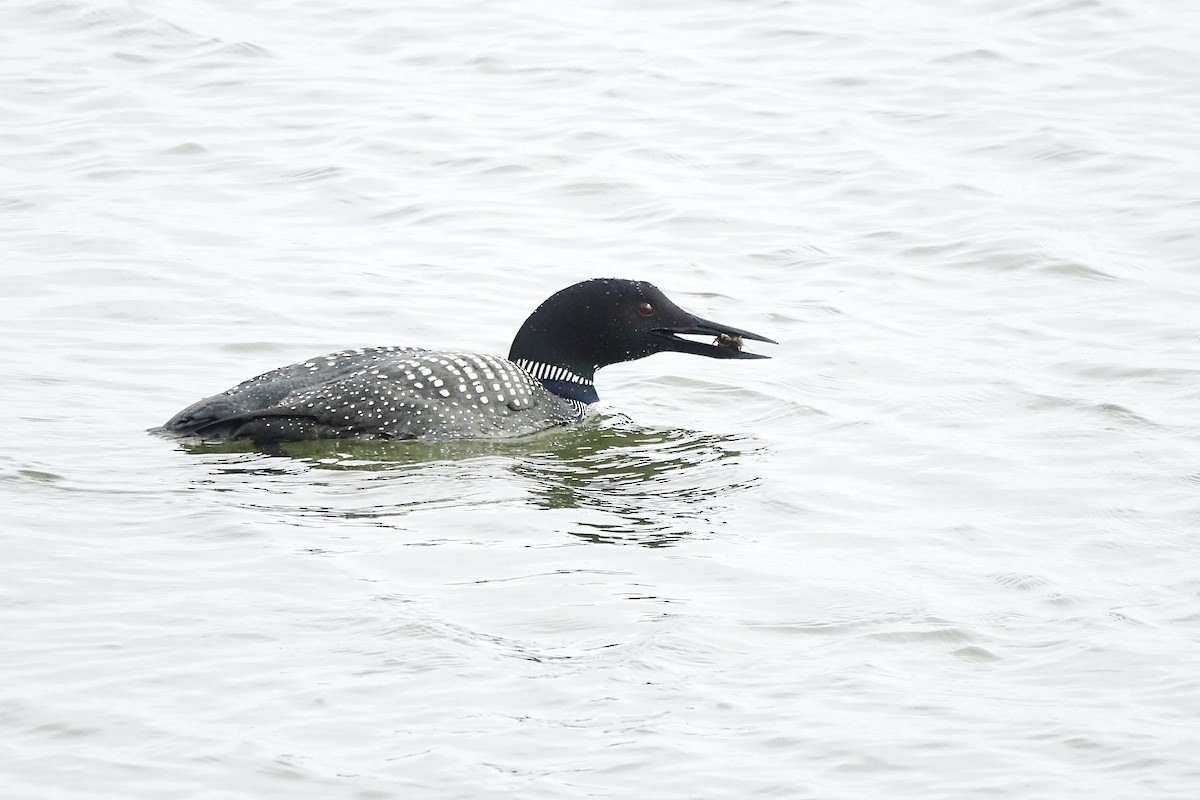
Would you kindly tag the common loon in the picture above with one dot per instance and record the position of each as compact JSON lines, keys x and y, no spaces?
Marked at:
{"x":411,"y":393}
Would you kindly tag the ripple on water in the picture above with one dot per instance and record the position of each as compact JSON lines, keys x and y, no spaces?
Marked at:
{"x":638,"y":485}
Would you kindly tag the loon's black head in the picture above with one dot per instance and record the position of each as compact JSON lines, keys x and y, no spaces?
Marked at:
{"x":607,"y":320}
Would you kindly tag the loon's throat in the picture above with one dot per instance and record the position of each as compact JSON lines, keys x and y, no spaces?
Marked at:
{"x":561,"y":380}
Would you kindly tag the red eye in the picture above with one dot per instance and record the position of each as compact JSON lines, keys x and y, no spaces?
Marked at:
{"x":645,"y":309}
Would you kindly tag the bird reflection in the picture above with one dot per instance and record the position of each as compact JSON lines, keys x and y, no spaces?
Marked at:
{"x":654,"y":486}
{"x":618,"y":483}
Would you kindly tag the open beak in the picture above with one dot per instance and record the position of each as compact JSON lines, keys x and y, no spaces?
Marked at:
{"x":726,"y":341}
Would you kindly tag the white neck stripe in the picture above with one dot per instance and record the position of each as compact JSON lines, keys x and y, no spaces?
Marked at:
{"x":549,"y":372}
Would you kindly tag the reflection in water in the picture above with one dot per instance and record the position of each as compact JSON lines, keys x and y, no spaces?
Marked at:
{"x":650,"y":486}
{"x":348,"y":454}
{"x":653,"y":486}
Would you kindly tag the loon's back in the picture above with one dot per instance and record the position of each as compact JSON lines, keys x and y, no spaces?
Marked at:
{"x":381,"y":393}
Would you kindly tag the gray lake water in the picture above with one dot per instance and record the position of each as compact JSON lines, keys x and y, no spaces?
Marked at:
{"x":943,"y":545}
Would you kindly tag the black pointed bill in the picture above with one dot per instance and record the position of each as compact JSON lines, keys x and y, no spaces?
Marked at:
{"x":726,"y":342}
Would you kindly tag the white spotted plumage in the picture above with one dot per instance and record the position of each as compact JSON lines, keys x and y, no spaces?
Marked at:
{"x":396,"y":393}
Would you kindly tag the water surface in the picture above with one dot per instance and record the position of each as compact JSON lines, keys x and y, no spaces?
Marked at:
{"x":942,"y":545}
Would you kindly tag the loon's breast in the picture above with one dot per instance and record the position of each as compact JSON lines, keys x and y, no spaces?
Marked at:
{"x":382,"y":393}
